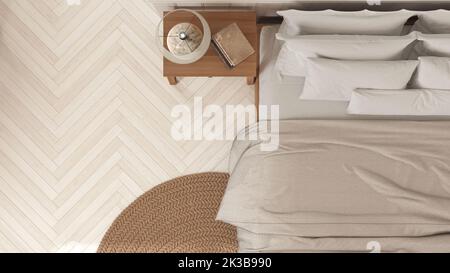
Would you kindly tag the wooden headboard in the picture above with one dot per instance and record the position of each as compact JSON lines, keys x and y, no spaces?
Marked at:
{"x":269,"y":7}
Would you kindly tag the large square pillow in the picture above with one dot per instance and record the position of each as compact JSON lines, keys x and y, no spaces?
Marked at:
{"x":433,"y":22}
{"x":363,"y":22}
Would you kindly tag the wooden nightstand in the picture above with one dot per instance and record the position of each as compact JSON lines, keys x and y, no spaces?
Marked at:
{"x":211,"y":65}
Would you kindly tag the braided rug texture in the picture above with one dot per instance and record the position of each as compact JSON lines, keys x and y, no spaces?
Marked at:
{"x":176,"y":216}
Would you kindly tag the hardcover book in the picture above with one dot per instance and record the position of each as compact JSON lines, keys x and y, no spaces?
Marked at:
{"x":232,"y":45}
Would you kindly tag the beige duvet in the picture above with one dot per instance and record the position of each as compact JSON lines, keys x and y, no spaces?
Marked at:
{"x":338,"y":185}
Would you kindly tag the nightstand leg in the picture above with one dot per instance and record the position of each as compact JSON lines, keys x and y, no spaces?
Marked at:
{"x":172,"y":80}
{"x":251,"y":80}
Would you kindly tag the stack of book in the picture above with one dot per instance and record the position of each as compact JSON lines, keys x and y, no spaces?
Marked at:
{"x":232,"y":45}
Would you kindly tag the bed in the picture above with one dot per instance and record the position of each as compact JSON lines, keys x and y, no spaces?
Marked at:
{"x":338,"y":182}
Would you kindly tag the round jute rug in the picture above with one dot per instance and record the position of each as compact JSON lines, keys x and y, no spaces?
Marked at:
{"x":176,"y":216}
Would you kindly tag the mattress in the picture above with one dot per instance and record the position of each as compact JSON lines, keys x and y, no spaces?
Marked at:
{"x":285,"y":91}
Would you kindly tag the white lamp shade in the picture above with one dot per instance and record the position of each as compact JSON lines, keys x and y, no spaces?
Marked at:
{"x":193,"y":56}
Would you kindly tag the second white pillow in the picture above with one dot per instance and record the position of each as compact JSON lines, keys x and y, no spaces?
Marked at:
{"x":296,"y":50}
{"x":433,"y":45}
{"x":434,"y":21}
{"x":336,"y":80}
{"x":433,"y":73}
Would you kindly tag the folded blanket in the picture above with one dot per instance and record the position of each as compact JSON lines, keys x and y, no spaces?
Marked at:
{"x":253,"y":242}
{"x":349,"y":178}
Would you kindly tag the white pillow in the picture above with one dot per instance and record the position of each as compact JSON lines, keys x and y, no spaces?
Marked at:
{"x":436,"y":21}
{"x":363,"y":22}
{"x":433,"y":73}
{"x":296,"y":50}
{"x":433,"y":45}
{"x":336,"y":80}
{"x":419,"y":102}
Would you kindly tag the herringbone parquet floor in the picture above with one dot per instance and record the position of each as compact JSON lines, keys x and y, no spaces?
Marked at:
{"x":85,"y":119}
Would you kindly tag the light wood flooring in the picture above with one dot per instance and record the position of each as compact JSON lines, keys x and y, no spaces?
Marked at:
{"x":85,"y":119}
